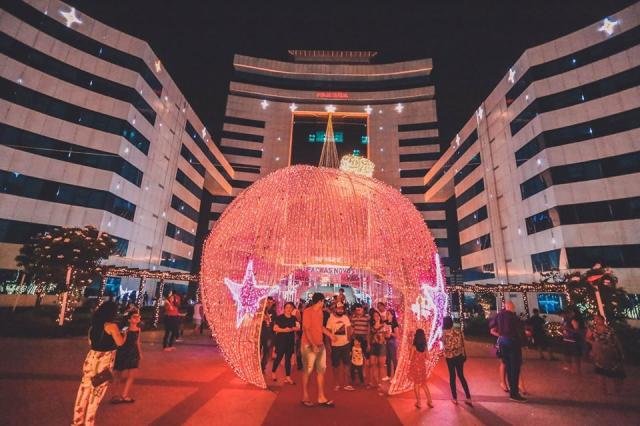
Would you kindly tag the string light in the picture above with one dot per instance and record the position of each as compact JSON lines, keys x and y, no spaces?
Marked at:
{"x":303,"y":216}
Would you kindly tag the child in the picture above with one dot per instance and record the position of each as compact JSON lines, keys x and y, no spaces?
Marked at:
{"x":127,"y":358}
{"x":418,"y":367}
{"x":357,"y":360}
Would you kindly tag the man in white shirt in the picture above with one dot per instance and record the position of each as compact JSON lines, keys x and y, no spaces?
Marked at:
{"x":340,"y":327}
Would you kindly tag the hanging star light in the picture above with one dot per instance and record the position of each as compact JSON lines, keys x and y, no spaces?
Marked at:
{"x":399,"y":108}
{"x":293,"y":107}
{"x":512,"y":76}
{"x":248,"y":294}
{"x":608,"y":26}
{"x":157,"y":65}
{"x":204,"y":132}
{"x":457,"y":139}
{"x":264,"y":104}
{"x":330,"y":108}
{"x":368,"y":109}
{"x":479,"y":114}
{"x":70,"y":17}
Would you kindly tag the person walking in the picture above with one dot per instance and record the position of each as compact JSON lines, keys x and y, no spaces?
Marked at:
{"x":285,"y":327}
{"x":418,"y":356}
{"x":314,"y":356}
{"x":340,"y":326}
{"x":104,"y":338}
{"x":508,"y":328}
{"x":171,"y":321}
{"x":378,"y":348}
{"x":128,"y":358}
{"x":456,"y":355}
{"x":198,"y":314}
{"x":573,"y":334}
{"x":266,"y":333}
{"x":392,"y":344}
{"x":539,"y":334}
{"x":361,"y":324}
{"x":607,"y":355}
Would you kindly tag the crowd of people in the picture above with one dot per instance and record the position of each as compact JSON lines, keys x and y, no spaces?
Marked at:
{"x":360,"y":342}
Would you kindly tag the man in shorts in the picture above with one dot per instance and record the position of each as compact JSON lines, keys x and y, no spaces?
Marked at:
{"x":314,"y":355}
{"x":340,"y":326}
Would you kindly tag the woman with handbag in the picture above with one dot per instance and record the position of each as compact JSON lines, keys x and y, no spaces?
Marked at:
{"x":104,"y":337}
{"x":455,"y":354}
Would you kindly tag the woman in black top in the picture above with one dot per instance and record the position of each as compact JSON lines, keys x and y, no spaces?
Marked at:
{"x":104,"y":337}
{"x":285,"y":327}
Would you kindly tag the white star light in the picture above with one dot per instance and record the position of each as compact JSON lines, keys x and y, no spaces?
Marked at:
{"x":479,"y":114}
{"x":368,"y":109}
{"x":457,"y":139}
{"x":70,"y":17}
{"x":204,"y":132}
{"x":512,"y":76}
{"x":293,"y":107}
{"x":608,"y":26}
{"x":264,"y":104}
{"x":330,"y":108}
{"x":399,"y":108}
{"x":248,"y":294}
{"x":158,"y":65}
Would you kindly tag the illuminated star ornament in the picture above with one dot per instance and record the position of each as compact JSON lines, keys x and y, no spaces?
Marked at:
{"x":399,"y":108}
{"x":479,"y":114}
{"x":457,"y":139}
{"x":512,"y":76}
{"x":293,"y":107}
{"x":330,"y":108}
{"x":264,"y":104}
{"x":70,"y":17}
{"x":368,"y":109}
{"x":608,"y":26}
{"x":248,"y":294}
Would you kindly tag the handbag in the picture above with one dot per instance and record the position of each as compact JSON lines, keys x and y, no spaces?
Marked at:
{"x":104,"y":376}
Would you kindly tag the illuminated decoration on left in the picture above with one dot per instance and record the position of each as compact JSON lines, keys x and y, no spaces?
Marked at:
{"x":248,"y":294}
{"x":70,"y":17}
{"x":608,"y":26}
{"x":301,"y":219}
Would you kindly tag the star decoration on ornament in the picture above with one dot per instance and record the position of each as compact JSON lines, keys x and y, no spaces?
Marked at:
{"x":422,"y":307}
{"x":608,"y":26}
{"x":70,"y":17}
{"x":248,"y":294}
{"x":368,"y":109}
{"x":479,"y":114}
{"x":512,"y":76}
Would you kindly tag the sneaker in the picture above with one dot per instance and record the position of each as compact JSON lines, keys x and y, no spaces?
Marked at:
{"x":386,"y":379}
{"x":336,"y":388}
{"x":349,"y":388}
{"x":518,"y":398}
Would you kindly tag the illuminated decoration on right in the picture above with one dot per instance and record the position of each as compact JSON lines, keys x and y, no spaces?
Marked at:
{"x":356,"y":164}
{"x":303,"y":219}
{"x":608,"y":26}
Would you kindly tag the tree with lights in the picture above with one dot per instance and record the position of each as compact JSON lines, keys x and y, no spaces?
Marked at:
{"x":596,"y":292}
{"x":68,"y":257}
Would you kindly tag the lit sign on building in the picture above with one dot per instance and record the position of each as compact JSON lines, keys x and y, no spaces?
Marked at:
{"x":332,"y":95}
{"x":319,"y":137}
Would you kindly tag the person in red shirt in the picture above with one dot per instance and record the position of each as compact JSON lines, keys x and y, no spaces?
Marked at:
{"x":314,"y":355}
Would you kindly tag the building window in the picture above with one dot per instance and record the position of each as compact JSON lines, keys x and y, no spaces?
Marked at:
{"x":478,"y":273}
{"x":478,"y":244}
{"x":539,"y":222}
{"x":473,"y":218}
{"x":551,"y":303}
{"x":173,"y":261}
{"x":546,"y":261}
{"x":619,"y":256}
{"x":184,"y":208}
{"x":472,"y":191}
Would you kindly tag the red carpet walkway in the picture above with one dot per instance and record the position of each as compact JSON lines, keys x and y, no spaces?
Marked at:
{"x":353,"y":408}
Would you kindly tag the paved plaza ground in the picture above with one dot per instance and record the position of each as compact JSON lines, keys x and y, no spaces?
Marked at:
{"x":193,"y":386}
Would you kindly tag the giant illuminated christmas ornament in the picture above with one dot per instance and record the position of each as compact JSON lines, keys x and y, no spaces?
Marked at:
{"x":305,"y":221}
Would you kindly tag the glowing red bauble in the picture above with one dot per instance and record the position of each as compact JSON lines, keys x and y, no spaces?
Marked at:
{"x":301,"y":217}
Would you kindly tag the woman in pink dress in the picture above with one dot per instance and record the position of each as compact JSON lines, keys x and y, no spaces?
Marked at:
{"x":418,"y":367}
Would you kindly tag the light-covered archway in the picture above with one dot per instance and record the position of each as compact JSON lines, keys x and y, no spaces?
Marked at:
{"x":303,"y":215}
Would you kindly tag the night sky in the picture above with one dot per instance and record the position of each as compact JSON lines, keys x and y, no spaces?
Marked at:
{"x":472,"y":43}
